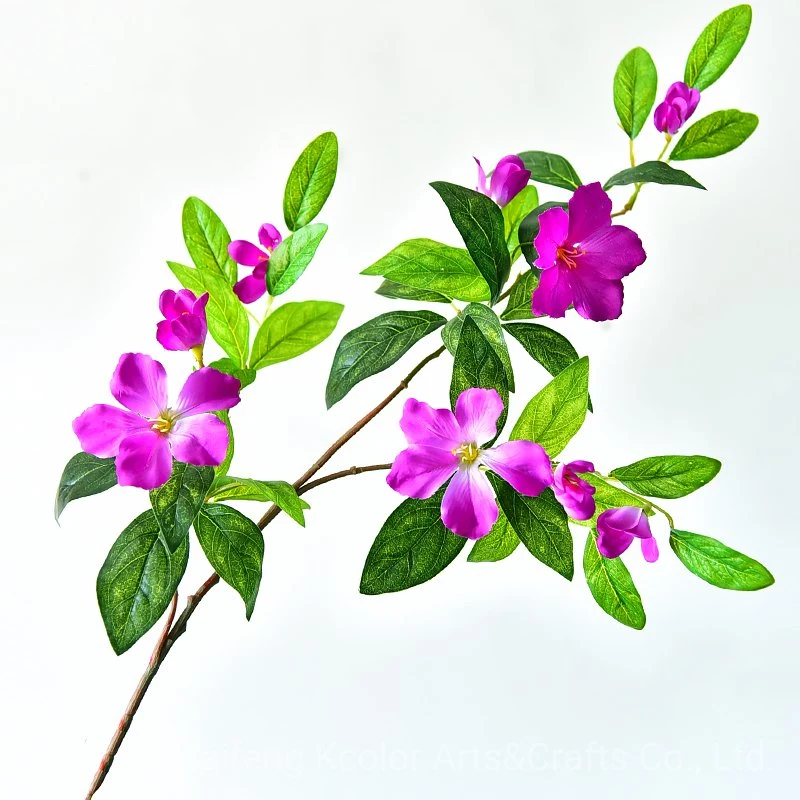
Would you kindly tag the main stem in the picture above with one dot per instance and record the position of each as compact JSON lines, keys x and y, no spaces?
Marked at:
{"x":174,"y":629}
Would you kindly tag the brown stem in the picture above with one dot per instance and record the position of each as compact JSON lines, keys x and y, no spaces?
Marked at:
{"x":172,"y":633}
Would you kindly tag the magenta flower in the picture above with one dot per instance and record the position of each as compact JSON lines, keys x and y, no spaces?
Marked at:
{"x":141,"y":437}
{"x":678,"y":106}
{"x":508,"y":179}
{"x":618,"y":527}
{"x":574,"y":493}
{"x":247,"y":254}
{"x":184,"y":326}
{"x":444,"y":445}
{"x":583,"y":258}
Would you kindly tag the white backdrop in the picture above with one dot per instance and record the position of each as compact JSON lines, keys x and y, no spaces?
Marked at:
{"x":499,"y":680}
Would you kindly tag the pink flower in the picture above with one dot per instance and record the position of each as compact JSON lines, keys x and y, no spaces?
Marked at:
{"x":618,"y":527}
{"x":184,"y":326}
{"x":678,"y":106}
{"x":508,"y":179}
{"x":444,"y":445}
{"x":247,"y":254}
{"x":142,"y":437}
{"x":583,"y":258}
{"x":574,"y":493}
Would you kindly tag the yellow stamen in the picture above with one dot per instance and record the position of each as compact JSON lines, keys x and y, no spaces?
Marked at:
{"x":468,"y":453}
{"x":164,"y":422}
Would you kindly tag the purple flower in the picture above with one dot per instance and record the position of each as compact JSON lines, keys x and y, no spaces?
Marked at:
{"x":678,"y":106}
{"x":444,"y":445}
{"x":247,"y":254}
{"x":574,"y":493}
{"x":618,"y":527}
{"x":141,"y":438}
{"x":184,"y":326}
{"x":508,"y":179}
{"x":583,"y":258}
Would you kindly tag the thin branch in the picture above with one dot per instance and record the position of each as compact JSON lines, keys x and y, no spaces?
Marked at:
{"x":342,"y":474}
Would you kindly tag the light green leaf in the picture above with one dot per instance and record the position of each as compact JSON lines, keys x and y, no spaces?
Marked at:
{"x":718,"y":564}
{"x":635,"y":83}
{"x":283,"y":494}
{"x":207,"y":240}
{"x":516,"y":211}
{"x":398,"y":291}
{"x":223,"y":468}
{"x":499,"y":543}
{"x":84,"y":476}
{"x":375,"y":346}
{"x":551,"y":169}
{"x":607,"y":496}
{"x":310,"y":181}
{"x":293,"y":329}
{"x":292,"y":256}
{"x":652,"y":172}
{"x":717,"y":46}
{"x":519,"y":301}
{"x":715,"y":135}
{"x":229,"y":367}
{"x":667,"y":476}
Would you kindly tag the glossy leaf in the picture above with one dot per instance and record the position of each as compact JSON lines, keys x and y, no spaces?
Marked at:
{"x":84,"y":476}
{"x":207,"y":240}
{"x":516,"y":211}
{"x":499,"y":543}
{"x":529,"y":230}
{"x":399,"y":291}
{"x":310,"y":181}
{"x":653,"y":172}
{"x":668,"y":476}
{"x":519,"y":305}
{"x":551,"y":169}
{"x":715,"y":135}
{"x":291,"y":257}
{"x":635,"y":83}
{"x":283,"y":494}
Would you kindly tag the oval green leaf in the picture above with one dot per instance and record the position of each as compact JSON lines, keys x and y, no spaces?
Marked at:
{"x":499,"y":543}
{"x":668,"y":476}
{"x":399,"y":291}
{"x":84,"y":476}
{"x":715,"y":135}
{"x":283,"y":494}
{"x":653,"y":172}
{"x":550,"y":168}
{"x":311,"y":181}
{"x":516,"y":211}
{"x":207,"y":239}
{"x":635,"y":83}
{"x":292,"y":256}
{"x":519,"y":300}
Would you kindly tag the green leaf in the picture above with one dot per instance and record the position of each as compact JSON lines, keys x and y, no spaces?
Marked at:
{"x":499,"y":543}
{"x":607,"y":496}
{"x":556,"y":413}
{"x":293,"y":329}
{"x":516,"y":211}
{"x":476,"y":364}
{"x":84,"y":476}
{"x":717,"y":564}
{"x":635,"y":83}
{"x":178,"y":501}
{"x":519,"y":301}
{"x":529,"y":230}
{"x":223,"y":468}
{"x":234,"y":547}
{"x":489,"y":326}
{"x":375,"y":346}
{"x":137,"y":581}
{"x":207,"y":240}
{"x":717,"y":46}
{"x":292,"y":256}
{"x":412,"y":547}
{"x":612,"y":587}
{"x":310,"y":181}
{"x":551,"y":169}
{"x":227,"y":319}
{"x":399,"y":291}
{"x":667,"y":476}
{"x":715,"y":135}
{"x":229,"y":367}
{"x":434,"y":266}
{"x":652,"y":172}
{"x":480,"y":223}
{"x":540,"y":523}
{"x":283,"y":494}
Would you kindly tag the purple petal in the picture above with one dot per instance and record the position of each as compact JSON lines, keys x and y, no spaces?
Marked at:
{"x":525,"y":465}
{"x":477,"y":412}
{"x":166,"y":304}
{"x":201,"y":440}
{"x":207,"y":389}
{"x":693,"y":100}
{"x":625,"y":518}
{"x":144,"y":460}
{"x":468,"y":506}
{"x":512,"y":186}
{"x":269,"y":236}
{"x":611,"y":253}
{"x":418,"y":471}
{"x":660,"y":117}
{"x":251,"y":288}
{"x":650,"y":549}
{"x":611,"y":542}
{"x":595,"y":298}
{"x":166,"y":338}
{"x":553,"y":296}
{"x":199,"y":307}
{"x":579,"y":506}
{"x":190,"y":330}
{"x":677,"y":91}
{"x":580,"y":466}
{"x":246,"y":253}
{"x":434,"y":427}
{"x":101,"y":428}
{"x":553,"y":228}
{"x":589,"y":209}
{"x":140,"y":384}
{"x":642,"y":528}
{"x":481,"y":187}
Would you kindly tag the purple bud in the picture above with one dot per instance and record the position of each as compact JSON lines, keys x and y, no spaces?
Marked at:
{"x":678,"y":106}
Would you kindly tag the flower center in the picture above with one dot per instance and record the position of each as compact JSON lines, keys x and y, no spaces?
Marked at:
{"x":164,"y":421}
{"x":568,"y":255}
{"x":468,"y":453}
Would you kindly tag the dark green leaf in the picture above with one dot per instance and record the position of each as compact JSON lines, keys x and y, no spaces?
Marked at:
{"x":556,"y":413}
{"x":399,"y":291}
{"x":652,"y":172}
{"x":529,"y":230}
{"x":137,"y":581}
{"x":717,"y":564}
{"x":207,"y":240}
{"x":434,"y":266}
{"x":412,"y":547}
{"x":717,"y":46}
{"x":229,"y":367}
{"x":489,"y":326}
{"x":541,"y":524}
{"x":293,"y":329}
{"x":715,"y":135}
{"x":635,"y":83}
{"x":283,"y":494}
{"x":516,"y":211}
{"x":234,"y":546}
{"x":607,"y":496}
{"x":519,"y":301}
{"x":292,"y":256}
{"x":499,"y":543}
{"x":550,"y":168}
{"x":476,"y":364}
{"x":310,"y":181}
{"x":612,"y":587}
{"x":480,"y":223}
{"x":178,"y":501}
{"x":667,"y":476}
{"x":84,"y":476}
{"x":374,"y":346}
